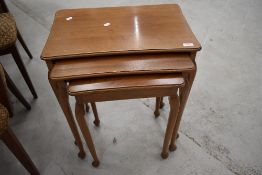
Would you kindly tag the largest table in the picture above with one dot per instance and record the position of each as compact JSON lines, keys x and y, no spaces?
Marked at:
{"x":118,"y":36}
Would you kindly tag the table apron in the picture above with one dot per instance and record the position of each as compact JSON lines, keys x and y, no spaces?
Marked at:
{"x":123,"y":94}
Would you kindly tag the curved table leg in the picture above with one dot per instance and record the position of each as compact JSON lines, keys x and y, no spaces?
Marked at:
{"x":174,"y":107}
{"x":184,"y":93}
{"x":60,"y":91}
{"x":80,"y":117}
{"x":96,"y":121}
{"x":158,"y":101}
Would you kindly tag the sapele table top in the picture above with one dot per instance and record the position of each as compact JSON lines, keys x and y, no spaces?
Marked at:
{"x":68,"y":69}
{"x":80,"y":86}
{"x":119,"y":30}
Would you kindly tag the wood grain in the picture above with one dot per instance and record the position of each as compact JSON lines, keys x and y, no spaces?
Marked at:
{"x":133,"y":29}
{"x":105,"y":83}
{"x":125,"y":87}
{"x":120,"y":65}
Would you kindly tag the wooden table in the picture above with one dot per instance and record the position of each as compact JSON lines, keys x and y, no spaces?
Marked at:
{"x":118,"y":40}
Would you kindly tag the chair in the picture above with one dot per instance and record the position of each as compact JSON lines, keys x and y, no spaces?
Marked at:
{"x":7,"y":82}
{"x":6,"y":133}
{"x":126,"y":87}
{"x":8,"y":36}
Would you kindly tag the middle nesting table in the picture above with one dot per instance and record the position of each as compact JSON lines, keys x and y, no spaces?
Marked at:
{"x":82,"y":70}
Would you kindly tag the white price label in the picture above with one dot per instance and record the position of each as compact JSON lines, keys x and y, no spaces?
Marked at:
{"x":188,"y":44}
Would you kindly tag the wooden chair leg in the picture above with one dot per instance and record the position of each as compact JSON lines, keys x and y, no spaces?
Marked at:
{"x":22,"y":69}
{"x":157,"y":113}
{"x":17,"y":149}
{"x":16,"y":92}
{"x":3,"y":7}
{"x":174,"y":106}
{"x":4,"y":100}
{"x":19,"y":36}
{"x":80,"y":117}
{"x":96,"y":121}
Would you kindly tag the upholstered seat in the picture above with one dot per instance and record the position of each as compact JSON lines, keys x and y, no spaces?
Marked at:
{"x":8,"y":36}
{"x":8,"y":32}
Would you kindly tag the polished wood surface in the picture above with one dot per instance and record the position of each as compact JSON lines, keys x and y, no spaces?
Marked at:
{"x":120,"y":65}
{"x":76,"y":87}
{"x":117,"y":30}
{"x":125,"y":87}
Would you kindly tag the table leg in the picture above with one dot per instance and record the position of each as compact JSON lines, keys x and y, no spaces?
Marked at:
{"x":162,"y":102}
{"x":96,"y":121}
{"x":80,"y":117}
{"x":158,"y":101}
{"x":60,"y":91}
{"x":159,"y":105}
{"x":87,"y":107}
{"x":174,"y":107}
{"x":183,"y":93}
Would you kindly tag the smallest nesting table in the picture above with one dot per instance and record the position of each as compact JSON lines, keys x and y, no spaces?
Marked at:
{"x":125,"y":87}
